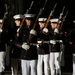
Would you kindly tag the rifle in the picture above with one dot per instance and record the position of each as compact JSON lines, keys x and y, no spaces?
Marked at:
{"x":25,"y":17}
{"x":26,"y":13}
{"x":58,"y":24}
{"x":51,"y":13}
{"x":34,"y":26}
{"x":28,"y":55}
{"x":46,"y":25}
{"x":63,"y":20}
{"x":31,"y":36}
{"x":60,"y":17}
{"x":30,"y":7}
{"x":4,"y":17}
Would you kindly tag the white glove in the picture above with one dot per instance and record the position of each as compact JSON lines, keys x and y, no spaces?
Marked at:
{"x":45,"y":30}
{"x":60,"y":41}
{"x":1,"y":30}
{"x":56,"y":30}
{"x":52,"y":41}
{"x":25,"y":46}
{"x":33,"y":32}
{"x":37,"y":45}
{"x":73,"y":54}
{"x":18,"y":30}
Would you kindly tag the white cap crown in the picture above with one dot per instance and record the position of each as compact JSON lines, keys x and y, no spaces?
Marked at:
{"x":42,"y":19}
{"x":55,"y":20}
{"x":29,"y":15}
{"x":18,"y":16}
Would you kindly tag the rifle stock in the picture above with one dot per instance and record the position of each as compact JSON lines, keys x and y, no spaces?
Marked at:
{"x":46,"y":25}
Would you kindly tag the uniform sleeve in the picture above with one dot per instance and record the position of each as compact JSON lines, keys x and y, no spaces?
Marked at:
{"x":18,"y":39}
{"x":71,"y":36}
{"x":41,"y":35}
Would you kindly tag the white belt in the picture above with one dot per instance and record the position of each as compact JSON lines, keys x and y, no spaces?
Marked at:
{"x":59,"y":41}
{"x":43,"y":41}
{"x":54,"y":41}
{"x":33,"y":44}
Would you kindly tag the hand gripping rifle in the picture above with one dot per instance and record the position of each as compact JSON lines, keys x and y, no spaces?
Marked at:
{"x":46,"y":25}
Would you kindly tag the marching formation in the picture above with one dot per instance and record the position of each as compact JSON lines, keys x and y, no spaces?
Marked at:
{"x":36,"y":41}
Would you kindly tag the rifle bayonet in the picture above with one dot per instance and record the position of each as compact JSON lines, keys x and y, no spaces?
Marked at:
{"x":41,"y":10}
{"x":44,"y":4}
{"x":63,"y":20}
{"x":52,"y":11}
{"x":61,"y":14}
{"x":65,"y":16}
{"x":29,"y":7}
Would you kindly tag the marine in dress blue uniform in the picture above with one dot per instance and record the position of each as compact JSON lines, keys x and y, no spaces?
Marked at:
{"x":55,"y":48}
{"x":43,"y":52}
{"x":15,"y":51}
{"x":3,"y":32}
{"x":28,"y":47}
{"x":71,"y":39}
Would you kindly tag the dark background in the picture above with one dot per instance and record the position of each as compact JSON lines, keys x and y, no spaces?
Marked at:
{"x":21,"y":6}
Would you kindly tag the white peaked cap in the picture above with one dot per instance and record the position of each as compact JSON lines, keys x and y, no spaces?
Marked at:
{"x":29,"y":15}
{"x":42,"y":19}
{"x":1,"y":20}
{"x":18,"y":16}
{"x":55,"y":20}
